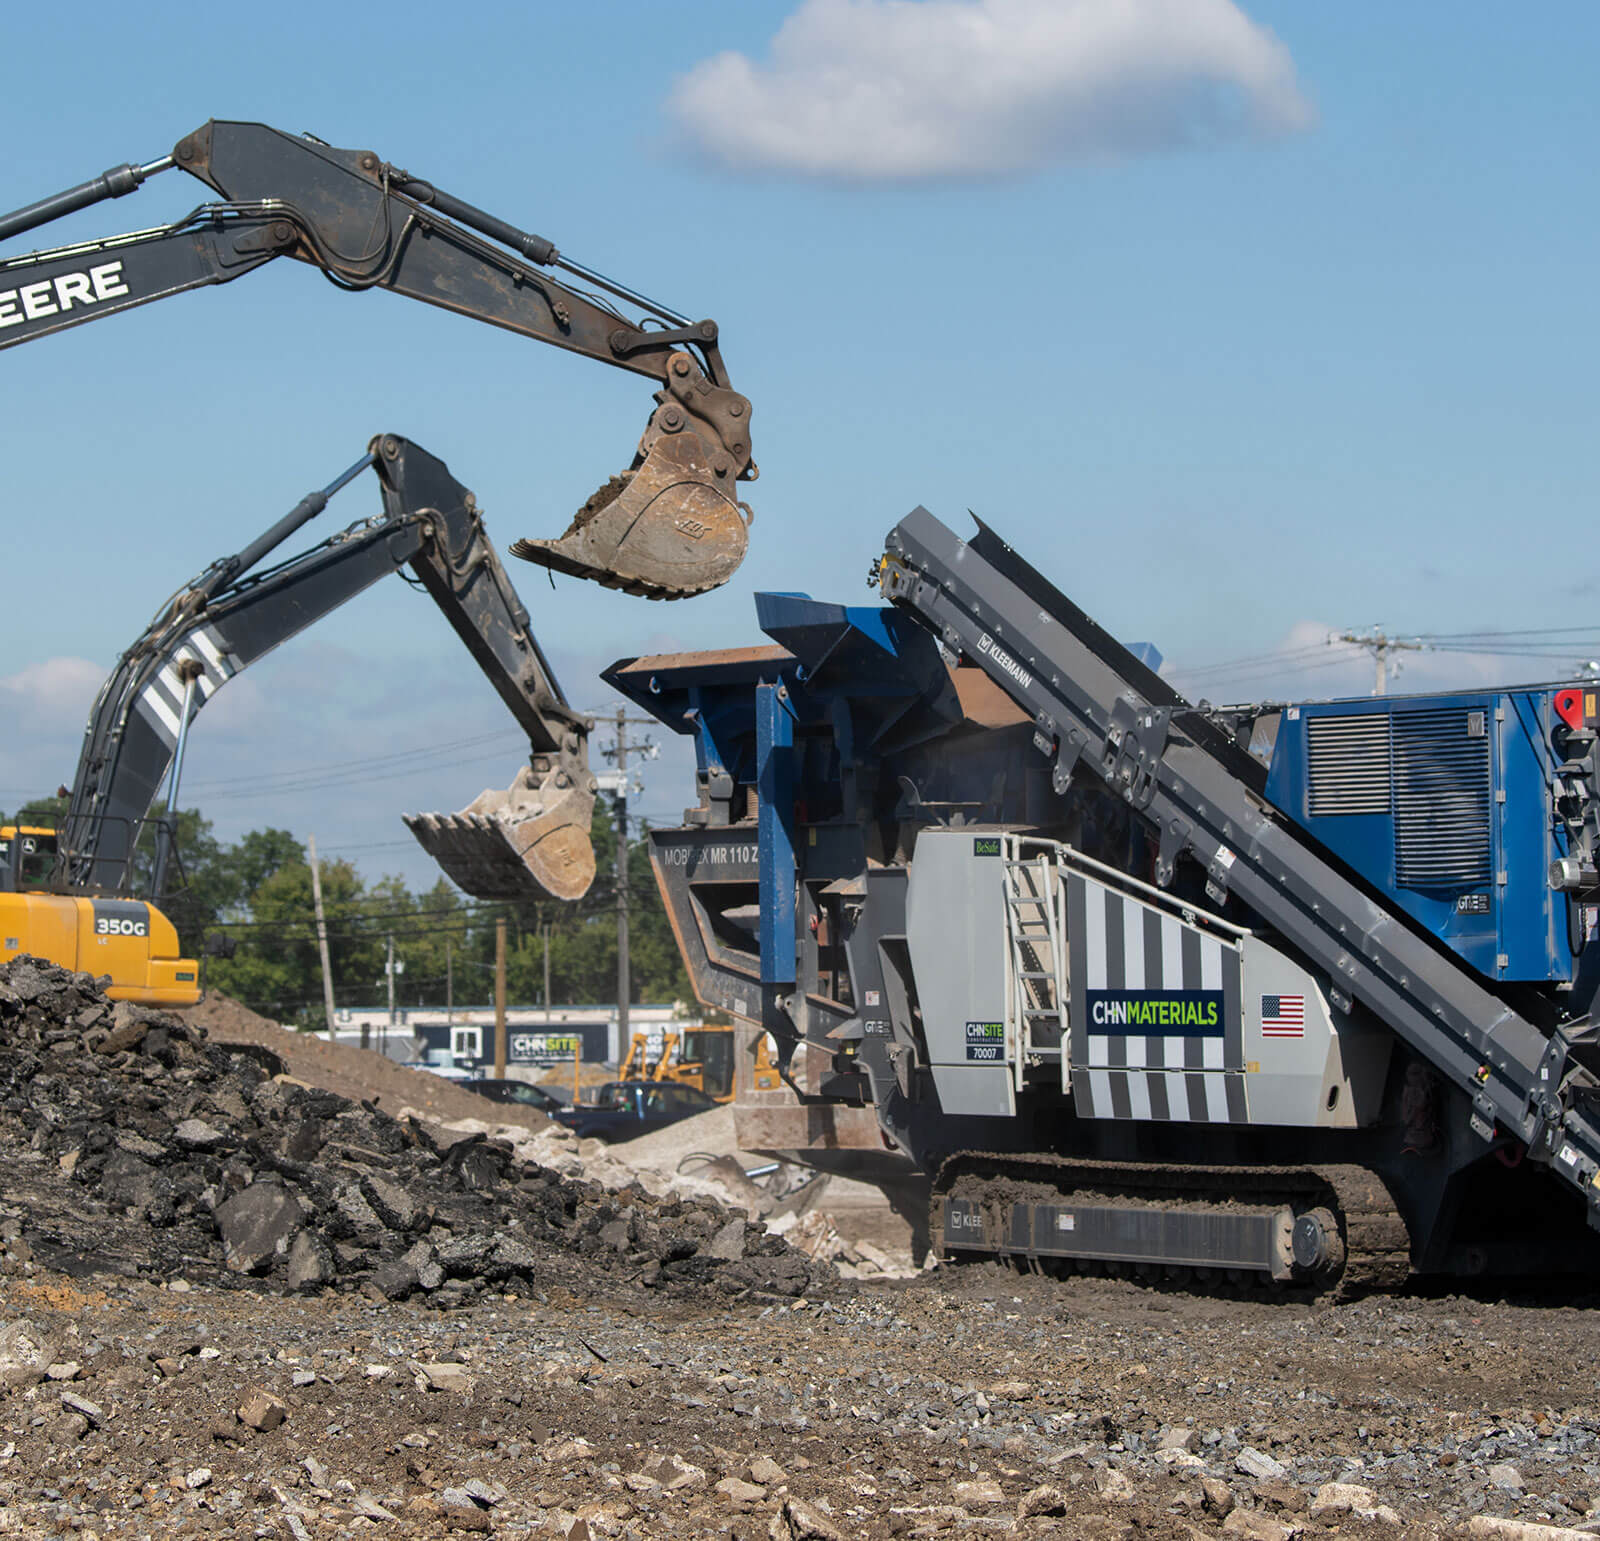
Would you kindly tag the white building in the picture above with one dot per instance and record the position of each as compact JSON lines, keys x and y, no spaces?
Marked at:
{"x":536,"y":1039}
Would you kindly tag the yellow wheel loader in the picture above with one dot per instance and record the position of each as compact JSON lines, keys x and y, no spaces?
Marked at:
{"x":701,"y":1057}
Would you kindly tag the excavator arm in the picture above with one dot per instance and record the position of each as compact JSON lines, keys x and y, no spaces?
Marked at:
{"x":669,"y":526}
{"x":519,"y":843}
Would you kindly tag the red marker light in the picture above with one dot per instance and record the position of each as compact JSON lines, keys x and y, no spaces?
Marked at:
{"x":1569,"y":707}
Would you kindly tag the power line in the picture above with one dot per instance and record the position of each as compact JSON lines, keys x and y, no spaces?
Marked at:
{"x":1339,"y":661}
{"x":1381,"y":645}
{"x":1228,"y":665}
{"x":1533,"y":631}
{"x":366,"y":762}
{"x":376,"y":845}
{"x":316,"y":782}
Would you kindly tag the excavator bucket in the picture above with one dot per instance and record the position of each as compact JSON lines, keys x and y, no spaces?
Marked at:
{"x":666,"y":530}
{"x":527,"y":842}
{"x":671,"y":525}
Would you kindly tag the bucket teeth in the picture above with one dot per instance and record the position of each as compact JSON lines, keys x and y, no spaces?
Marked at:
{"x":527,"y":842}
{"x":668,"y":529}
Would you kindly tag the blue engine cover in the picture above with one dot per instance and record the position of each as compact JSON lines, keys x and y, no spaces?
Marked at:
{"x":1444,"y":802}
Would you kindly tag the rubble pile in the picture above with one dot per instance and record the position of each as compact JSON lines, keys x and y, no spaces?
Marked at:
{"x":246,"y":1348}
{"x":816,"y":1234}
{"x":190,"y":1158}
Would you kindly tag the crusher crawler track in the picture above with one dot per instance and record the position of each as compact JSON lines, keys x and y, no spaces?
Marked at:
{"x":1333,"y":1229}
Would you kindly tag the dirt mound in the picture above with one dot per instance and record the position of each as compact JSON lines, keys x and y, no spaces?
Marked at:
{"x":560,"y":1078}
{"x":228,"y":1020}
{"x":150,"y":1149}
{"x":363,"y":1075}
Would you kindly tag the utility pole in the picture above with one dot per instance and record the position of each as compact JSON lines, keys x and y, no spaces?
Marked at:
{"x":624,"y":977}
{"x":500,"y":999}
{"x":322,"y":937}
{"x":617,"y":781}
{"x":389,"y":970}
{"x":449,"y":986}
{"x":1380,"y":645}
{"x":546,"y":929}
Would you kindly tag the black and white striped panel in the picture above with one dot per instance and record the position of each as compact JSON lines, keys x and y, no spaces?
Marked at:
{"x":161,"y":700}
{"x":1130,"y":964}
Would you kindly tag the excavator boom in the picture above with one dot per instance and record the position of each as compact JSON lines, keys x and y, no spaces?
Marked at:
{"x":668,"y":526}
{"x":525,"y":842}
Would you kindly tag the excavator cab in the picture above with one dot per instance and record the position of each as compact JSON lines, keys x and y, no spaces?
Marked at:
{"x":27,"y":856}
{"x":127,"y":943}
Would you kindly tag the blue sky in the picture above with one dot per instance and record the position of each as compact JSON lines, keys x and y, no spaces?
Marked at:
{"x":1229,"y":377}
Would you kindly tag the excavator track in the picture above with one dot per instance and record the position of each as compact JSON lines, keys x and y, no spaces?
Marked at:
{"x":1359,"y":1240}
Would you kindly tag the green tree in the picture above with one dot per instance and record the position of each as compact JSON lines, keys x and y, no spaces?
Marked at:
{"x":583,"y":935}
{"x":277,"y":968}
{"x":257,"y":891}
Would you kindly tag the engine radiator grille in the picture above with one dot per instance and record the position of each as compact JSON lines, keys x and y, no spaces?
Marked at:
{"x":1349,"y":765}
{"x":1442,"y":799}
{"x":1430,"y":770}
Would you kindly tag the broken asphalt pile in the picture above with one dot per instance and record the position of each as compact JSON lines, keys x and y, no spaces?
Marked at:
{"x":197,"y":1157}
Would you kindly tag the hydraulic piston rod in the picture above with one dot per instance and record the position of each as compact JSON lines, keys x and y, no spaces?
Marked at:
{"x":303,"y":512}
{"x":116,"y":183}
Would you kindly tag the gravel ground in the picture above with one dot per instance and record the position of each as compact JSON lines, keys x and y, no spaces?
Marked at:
{"x":938,"y":1407}
{"x":484,"y":1346}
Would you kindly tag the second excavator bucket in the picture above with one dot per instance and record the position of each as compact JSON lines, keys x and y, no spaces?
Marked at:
{"x":530,"y":841}
{"x":671,"y":525}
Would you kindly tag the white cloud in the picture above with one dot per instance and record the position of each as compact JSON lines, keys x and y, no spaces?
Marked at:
{"x":44,"y":706}
{"x":870,"y":90}
{"x":54,"y":690}
{"x":1306,"y":666}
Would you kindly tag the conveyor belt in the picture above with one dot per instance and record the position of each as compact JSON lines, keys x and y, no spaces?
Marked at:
{"x":1098,"y":711}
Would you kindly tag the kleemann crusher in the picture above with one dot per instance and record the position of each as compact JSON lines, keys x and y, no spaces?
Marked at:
{"x":1292,"y":993}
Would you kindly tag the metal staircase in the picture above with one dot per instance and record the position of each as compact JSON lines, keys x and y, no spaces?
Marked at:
{"x":1036,"y":958}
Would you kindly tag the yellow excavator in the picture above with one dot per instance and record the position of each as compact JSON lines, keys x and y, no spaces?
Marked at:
{"x":80,"y":895}
{"x":670,"y":525}
{"x":701,"y":1057}
{"x":128,"y":940}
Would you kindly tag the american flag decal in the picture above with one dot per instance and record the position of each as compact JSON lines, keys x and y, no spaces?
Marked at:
{"x":1283,"y":1016}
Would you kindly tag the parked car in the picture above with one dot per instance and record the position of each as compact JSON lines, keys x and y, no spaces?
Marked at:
{"x":623,"y":1110}
{"x":524,"y":1093}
